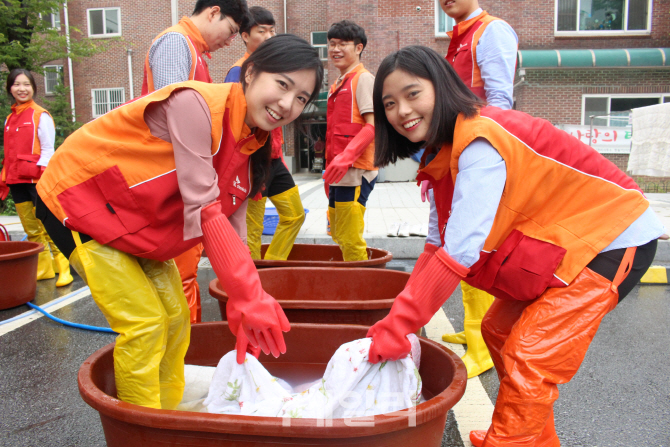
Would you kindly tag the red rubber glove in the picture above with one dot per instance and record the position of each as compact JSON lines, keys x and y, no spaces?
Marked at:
{"x":243,"y":346}
{"x":427,"y":289}
{"x":425,"y":187}
{"x":343,"y":161}
{"x":249,"y":308}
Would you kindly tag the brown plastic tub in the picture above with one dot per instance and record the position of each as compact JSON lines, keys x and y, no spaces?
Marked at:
{"x":18,"y":272}
{"x":327,"y":295}
{"x":309,"y":349}
{"x":318,"y":255}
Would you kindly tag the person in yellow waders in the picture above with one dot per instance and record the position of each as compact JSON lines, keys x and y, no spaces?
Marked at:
{"x":350,"y":174}
{"x":178,"y":54}
{"x":280,"y":188}
{"x":486,"y":67}
{"x":29,"y":144}
{"x":161,"y":174}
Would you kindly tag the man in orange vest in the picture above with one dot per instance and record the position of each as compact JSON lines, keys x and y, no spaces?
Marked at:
{"x":176,"y":55}
{"x":350,"y":171}
{"x":482,"y":51}
{"x":280,"y":187}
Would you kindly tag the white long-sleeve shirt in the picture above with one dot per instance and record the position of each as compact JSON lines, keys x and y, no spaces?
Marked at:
{"x":479,"y":185}
{"x":46,"y":132}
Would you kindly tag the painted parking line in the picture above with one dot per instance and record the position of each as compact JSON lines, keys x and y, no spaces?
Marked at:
{"x":656,"y":274}
{"x":30,"y":316}
{"x":474,"y":410}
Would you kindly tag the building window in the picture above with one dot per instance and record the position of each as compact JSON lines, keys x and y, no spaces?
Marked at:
{"x":615,"y":110}
{"x":105,"y":99}
{"x":51,"y":20}
{"x":53,"y":74}
{"x":320,"y":42}
{"x":602,"y":17}
{"x":104,"y":22}
{"x":443,"y":23}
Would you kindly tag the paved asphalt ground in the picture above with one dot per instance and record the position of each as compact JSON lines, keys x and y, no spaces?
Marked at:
{"x":620,"y":397}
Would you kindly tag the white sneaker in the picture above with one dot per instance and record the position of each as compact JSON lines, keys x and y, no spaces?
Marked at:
{"x":393,"y":231}
{"x":419,"y":230}
{"x":404,"y":230}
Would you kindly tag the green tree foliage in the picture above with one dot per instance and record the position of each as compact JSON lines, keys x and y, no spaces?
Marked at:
{"x":59,"y":107}
{"x":28,"y":40}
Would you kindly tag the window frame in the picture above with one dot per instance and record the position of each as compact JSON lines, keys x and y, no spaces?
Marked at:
{"x":104,"y":18}
{"x":107,"y":89}
{"x":438,"y":11}
{"x":319,"y":47}
{"x":660,"y":96}
{"x":59,"y":72}
{"x":53,"y":16}
{"x":603,"y":33}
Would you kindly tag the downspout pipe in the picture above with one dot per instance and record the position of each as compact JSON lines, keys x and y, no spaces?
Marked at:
{"x":175,"y":12}
{"x":130,"y":72}
{"x":69,"y":59}
{"x":285,"y":29}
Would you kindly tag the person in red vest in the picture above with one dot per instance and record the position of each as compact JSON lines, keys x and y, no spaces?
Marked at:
{"x":350,"y":174}
{"x":526,"y":212}
{"x":29,"y":138}
{"x":483,"y":51}
{"x":158,"y":175}
{"x":177,"y":55}
{"x":281,"y":188}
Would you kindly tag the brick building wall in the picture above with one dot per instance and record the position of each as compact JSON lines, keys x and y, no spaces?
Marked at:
{"x":555,"y":95}
{"x":533,"y":21}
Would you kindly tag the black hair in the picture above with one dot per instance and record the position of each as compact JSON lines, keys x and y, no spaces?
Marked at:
{"x":285,"y":53}
{"x":12,"y":78}
{"x":235,"y":9}
{"x":452,"y":97}
{"x":257,"y":16}
{"x":348,"y":31}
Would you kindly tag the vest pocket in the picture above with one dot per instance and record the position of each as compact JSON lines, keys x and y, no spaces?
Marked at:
{"x":26,"y":166}
{"x":103,"y":207}
{"x":526,"y":267}
{"x":343,"y":135}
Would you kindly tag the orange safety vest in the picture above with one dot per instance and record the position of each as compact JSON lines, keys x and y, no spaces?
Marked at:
{"x":462,"y":52}
{"x":116,"y":182}
{"x":239,"y":62}
{"x":563,"y":202}
{"x":198,"y":47}
{"x":22,"y":145}
{"x":345,"y":121}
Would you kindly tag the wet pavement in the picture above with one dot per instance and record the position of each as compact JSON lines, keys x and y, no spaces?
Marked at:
{"x":620,"y":397}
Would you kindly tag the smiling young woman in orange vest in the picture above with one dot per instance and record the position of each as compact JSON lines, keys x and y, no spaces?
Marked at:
{"x":552,"y":229}
{"x":350,"y":174}
{"x":158,"y":175}
{"x":28,"y":145}
{"x":177,"y":55}
{"x":482,"y":51}
{"x":281,"y":188}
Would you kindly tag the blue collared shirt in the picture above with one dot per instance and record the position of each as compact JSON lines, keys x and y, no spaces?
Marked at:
{"x":496,"y":57}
